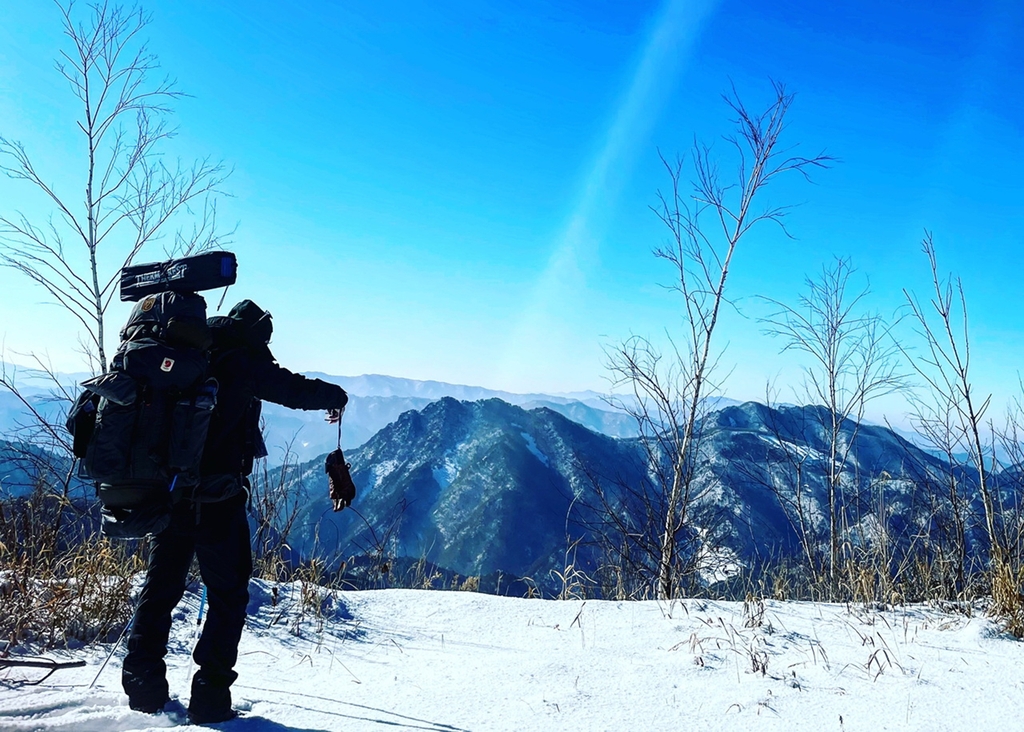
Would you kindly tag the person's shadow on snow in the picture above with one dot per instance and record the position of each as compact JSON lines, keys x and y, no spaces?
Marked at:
{"x":260,"y":724}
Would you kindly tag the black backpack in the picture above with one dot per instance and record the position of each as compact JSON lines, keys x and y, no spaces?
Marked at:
{"x":139,"y":429}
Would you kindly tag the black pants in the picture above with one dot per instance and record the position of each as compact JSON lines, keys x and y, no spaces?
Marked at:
{"x":218,"y":535}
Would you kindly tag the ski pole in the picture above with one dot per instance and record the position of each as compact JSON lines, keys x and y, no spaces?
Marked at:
{"x":202,"y":605}
{"x":131,"y":621}
{"x":195,"y":632}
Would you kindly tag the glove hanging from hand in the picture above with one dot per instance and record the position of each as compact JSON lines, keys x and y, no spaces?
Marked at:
{"x":343,"y":490}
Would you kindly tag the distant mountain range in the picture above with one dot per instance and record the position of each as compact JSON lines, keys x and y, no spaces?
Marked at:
{"x":376,"y":401}
{"x":393,"y":386}
{"x":481,"y":482}
{"x":488,"y":487}
{"x":485,"y":487}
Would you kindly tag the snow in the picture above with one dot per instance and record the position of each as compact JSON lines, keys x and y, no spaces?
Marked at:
{"x":454,"y":661}
{"x":531,"y":445}
{"x":382,"y":470}
{"x":446,"y":472}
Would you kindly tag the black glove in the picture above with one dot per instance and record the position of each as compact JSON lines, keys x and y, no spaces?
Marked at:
{"x":334,"y":414}
{"x":342,"y":489}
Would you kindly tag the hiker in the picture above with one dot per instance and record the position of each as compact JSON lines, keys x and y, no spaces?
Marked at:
{"x":209,"y":521}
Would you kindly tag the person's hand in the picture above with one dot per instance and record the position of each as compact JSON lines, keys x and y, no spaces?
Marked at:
{"x":333,"y":416}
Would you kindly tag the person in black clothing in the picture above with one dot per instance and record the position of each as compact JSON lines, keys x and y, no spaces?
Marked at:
{"x":210,"y":521}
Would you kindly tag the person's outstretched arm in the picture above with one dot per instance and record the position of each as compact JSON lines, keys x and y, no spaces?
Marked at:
{"x":281,"y":386}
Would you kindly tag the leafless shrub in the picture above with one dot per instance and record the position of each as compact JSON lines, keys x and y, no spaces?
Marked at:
{"x":753,"y":611}
{"x":275,"y":498}
{"x":58,"y":586}
{"x":853,"y":360}
{"x":668,"y":394}
{"x":951,"y":415}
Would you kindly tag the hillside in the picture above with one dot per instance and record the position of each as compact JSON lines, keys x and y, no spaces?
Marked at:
{"x":481,"y":488}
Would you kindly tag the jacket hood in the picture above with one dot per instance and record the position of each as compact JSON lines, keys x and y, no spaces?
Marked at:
{"x":256,"y":323}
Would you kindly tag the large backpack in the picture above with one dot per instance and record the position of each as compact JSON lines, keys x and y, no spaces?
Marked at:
{"x":140,"y":428}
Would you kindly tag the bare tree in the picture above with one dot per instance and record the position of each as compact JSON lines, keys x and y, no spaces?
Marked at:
{"x":853,"y":359}
{"x":131,"y":199}
{"x":706,"y":224}
{"x":130,"y":195}
{"x":952,"y":418}
{"x":1010,"y":441}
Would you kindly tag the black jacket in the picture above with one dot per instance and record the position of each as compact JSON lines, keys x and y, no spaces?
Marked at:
{"x":247,"y":373}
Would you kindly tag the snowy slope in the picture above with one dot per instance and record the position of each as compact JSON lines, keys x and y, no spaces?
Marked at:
{"x":449,"y":661}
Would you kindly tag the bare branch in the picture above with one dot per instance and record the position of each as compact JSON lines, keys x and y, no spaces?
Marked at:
{"x":131,"y":197}
{"x":671,"y":393}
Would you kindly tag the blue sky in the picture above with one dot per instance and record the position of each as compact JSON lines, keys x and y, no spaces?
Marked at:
{"x":460,"y":190}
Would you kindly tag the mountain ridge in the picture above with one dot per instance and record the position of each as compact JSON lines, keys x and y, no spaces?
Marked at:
{"x":377,"y":400}
{"x":486,"y":487}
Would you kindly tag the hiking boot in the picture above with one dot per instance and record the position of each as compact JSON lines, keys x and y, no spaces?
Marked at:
{"x":147,"y":706}
{"x":207,"y":716}
{"x":211,"y":696}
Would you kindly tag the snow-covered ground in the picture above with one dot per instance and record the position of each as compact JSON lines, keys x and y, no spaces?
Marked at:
{"x":455,"y":661}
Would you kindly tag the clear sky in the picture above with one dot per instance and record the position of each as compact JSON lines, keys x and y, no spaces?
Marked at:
{"x":460,"y":190}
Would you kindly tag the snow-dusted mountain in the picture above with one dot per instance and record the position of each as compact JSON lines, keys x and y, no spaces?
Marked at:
{"x":488,"y":488}
{"x":377,"y":400}
{"x":485,"y":487}
{"x":474,"y":487}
